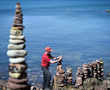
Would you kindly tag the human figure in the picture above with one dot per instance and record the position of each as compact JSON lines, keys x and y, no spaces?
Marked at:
{"x":48,"y":59}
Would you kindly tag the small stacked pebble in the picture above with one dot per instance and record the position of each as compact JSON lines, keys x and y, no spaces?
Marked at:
{"x":59,"y":78}
{"x":17,"y":68}
{"x":68,"y":75}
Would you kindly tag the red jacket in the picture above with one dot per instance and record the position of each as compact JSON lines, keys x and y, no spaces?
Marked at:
{"x":45,"y":60}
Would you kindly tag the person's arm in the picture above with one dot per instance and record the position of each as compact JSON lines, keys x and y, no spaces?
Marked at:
{"x":51,"y":61}
{"x":51,"y":57}
{"x":59,"y":59}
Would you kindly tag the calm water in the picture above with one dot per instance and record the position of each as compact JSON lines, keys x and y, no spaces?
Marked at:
{"x":76,"y":29}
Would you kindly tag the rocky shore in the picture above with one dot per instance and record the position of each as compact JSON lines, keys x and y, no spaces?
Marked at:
{"x":63,"y":79}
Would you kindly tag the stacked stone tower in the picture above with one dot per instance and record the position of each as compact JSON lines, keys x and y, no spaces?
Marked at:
{"x":85,"y":68}
{"x":100,"y":69}
{"x":59,"y":78}
{"x":17,"y":68}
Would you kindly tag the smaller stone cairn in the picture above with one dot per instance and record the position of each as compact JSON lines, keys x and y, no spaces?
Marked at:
{"x":92,"y":70}
{"x":59,"y":78}
{"x":17,"y":68}
{"x":68,"y":75}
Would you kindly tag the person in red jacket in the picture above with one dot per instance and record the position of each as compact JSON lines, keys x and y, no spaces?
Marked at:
{"x":48,"y":59}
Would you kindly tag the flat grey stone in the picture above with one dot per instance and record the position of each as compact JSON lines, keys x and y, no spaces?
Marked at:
{"x":16,"y":47}
{"x":17,"y":37}
{"x":16,"y":41}
{"x":17,"y":53}
{"x":16,"y":60}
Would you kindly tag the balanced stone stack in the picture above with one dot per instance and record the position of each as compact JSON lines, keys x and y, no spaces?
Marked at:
{"x":86,"y":71}
{"x":79,"y":77}
{"x":69,"y":78}
{"x":59,"y":78}
{"x":97,"y":69}
{"x":100,"y":69}
{"x":94,"y":69}
{"x":17,"y":67}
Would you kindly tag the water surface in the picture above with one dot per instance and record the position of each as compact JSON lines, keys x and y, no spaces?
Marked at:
{"x":76,"y":29}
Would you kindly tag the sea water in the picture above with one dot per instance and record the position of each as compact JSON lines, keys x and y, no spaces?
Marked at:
{"x":78,"y":30}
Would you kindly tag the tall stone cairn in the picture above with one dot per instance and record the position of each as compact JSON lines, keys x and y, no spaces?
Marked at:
{"x":59,"y":78}
{"x":17,"y":68}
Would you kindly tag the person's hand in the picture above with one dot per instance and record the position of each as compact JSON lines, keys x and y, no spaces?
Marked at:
{"x":59,"y":58}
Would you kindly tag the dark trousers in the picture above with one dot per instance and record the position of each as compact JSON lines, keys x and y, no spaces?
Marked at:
{"x":46,"y":77}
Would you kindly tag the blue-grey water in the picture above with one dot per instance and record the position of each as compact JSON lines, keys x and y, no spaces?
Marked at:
{"x":79,"y":30}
